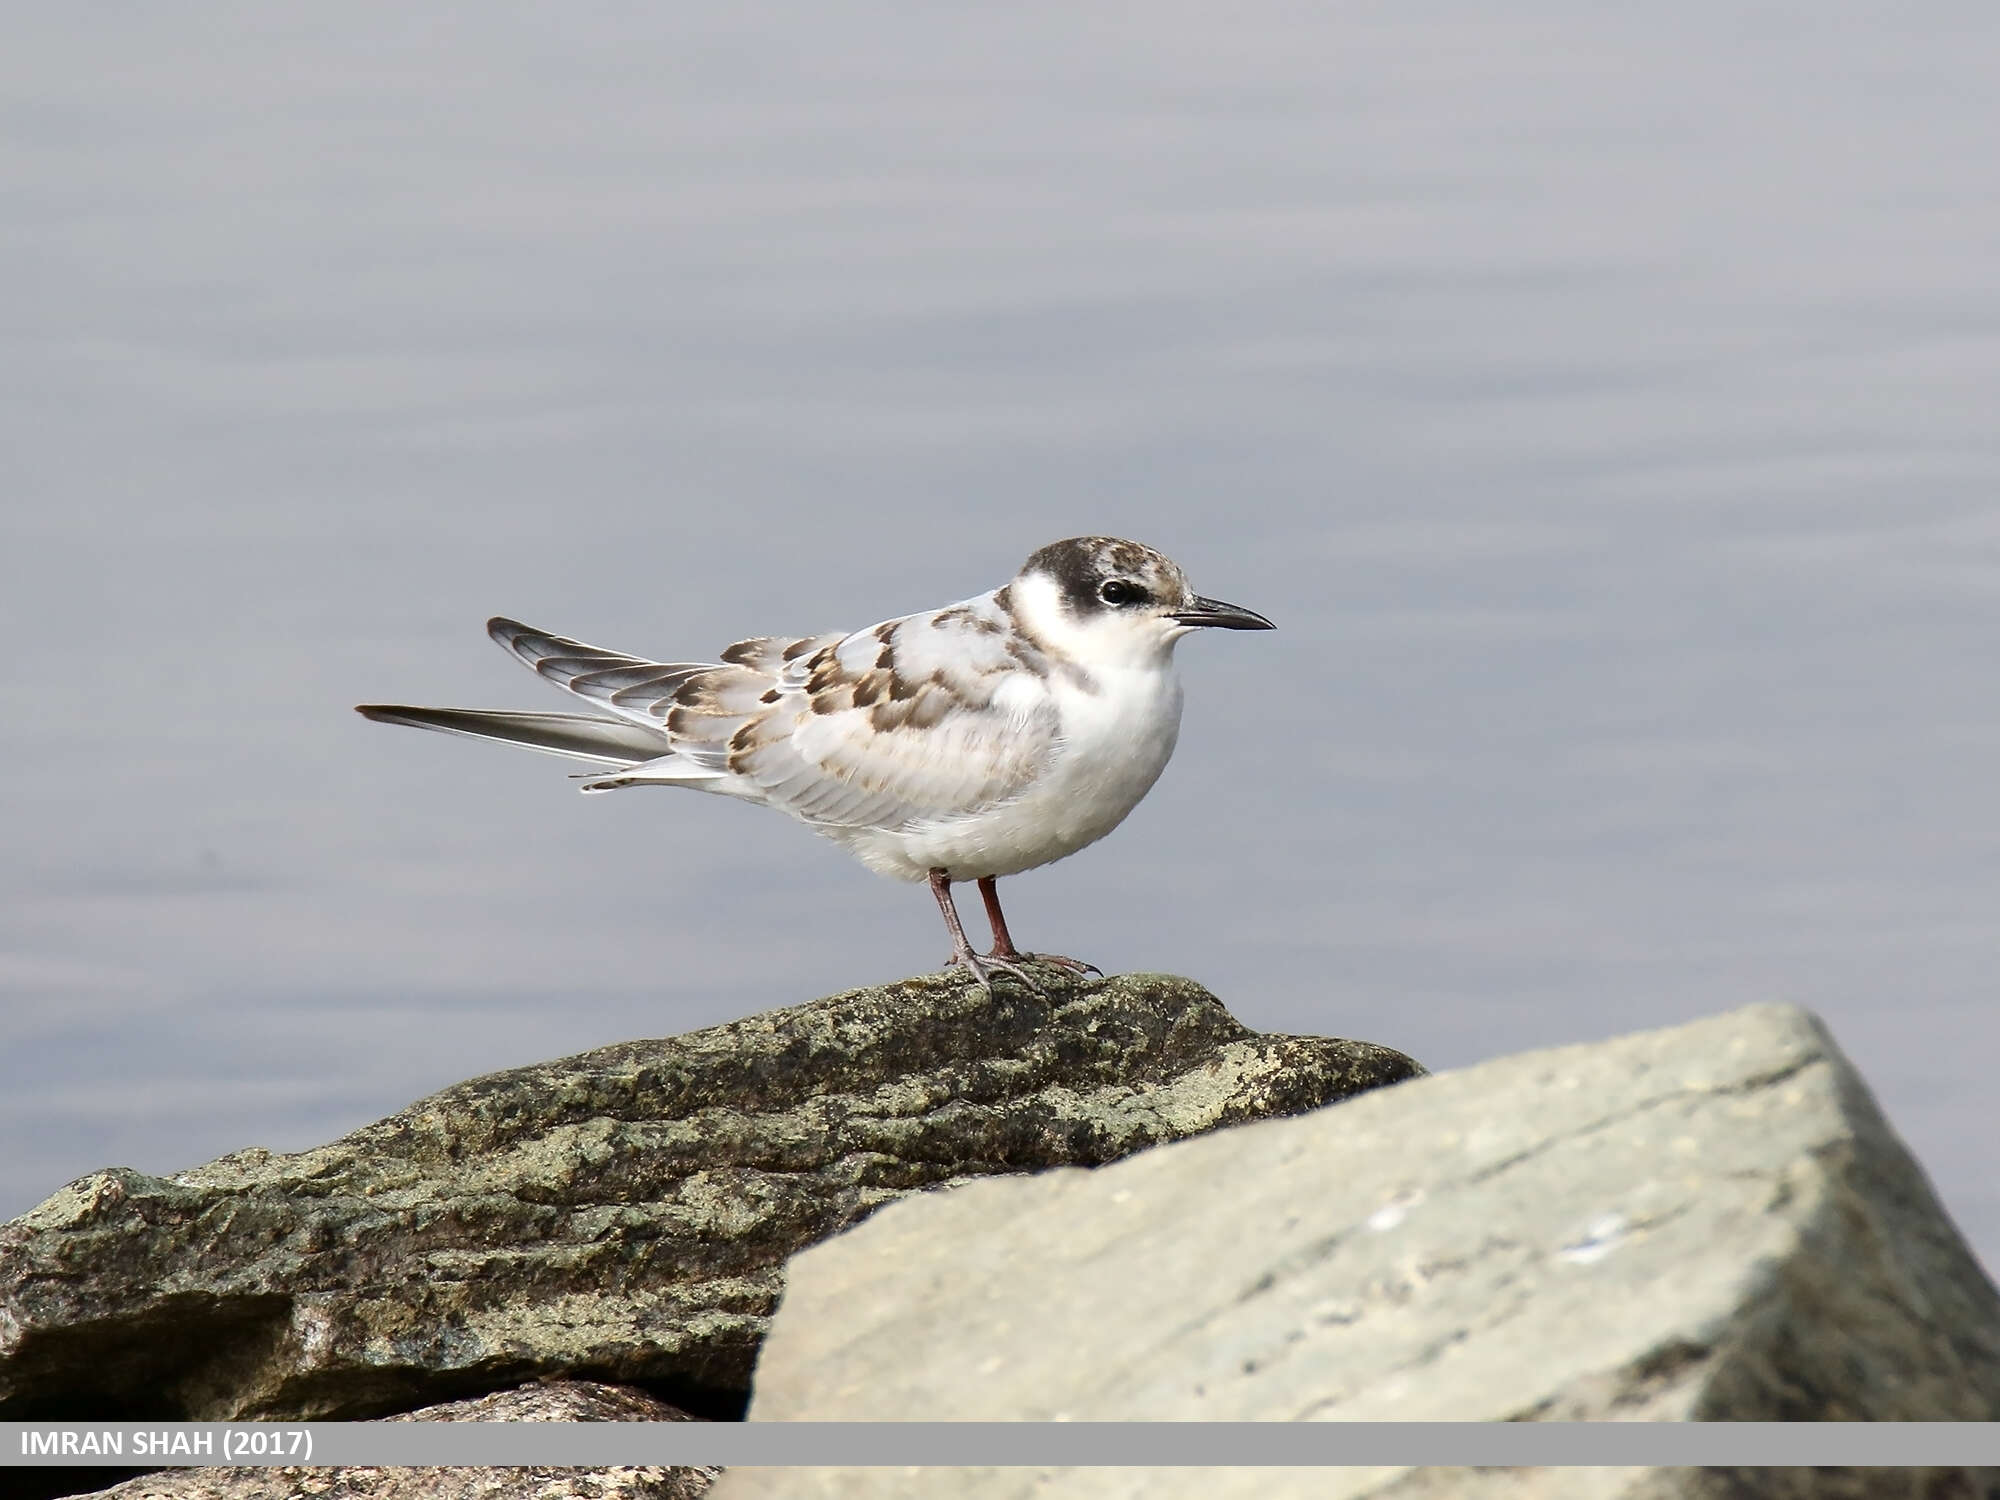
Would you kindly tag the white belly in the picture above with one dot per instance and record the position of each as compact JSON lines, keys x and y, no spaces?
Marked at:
{"x":1114,"y":744}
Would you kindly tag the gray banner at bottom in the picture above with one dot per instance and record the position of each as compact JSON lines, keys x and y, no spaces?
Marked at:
{"x":1006,"y":1444}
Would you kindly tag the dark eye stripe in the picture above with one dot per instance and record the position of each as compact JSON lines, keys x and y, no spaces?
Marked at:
{"x":1119,"y":591}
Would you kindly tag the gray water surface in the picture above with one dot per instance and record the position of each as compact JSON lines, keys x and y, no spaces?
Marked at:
{"x":1602,"y":402}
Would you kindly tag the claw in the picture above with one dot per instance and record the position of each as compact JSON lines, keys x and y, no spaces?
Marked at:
{"x":1004,"y":957}
{"x":982,"y":965}
{"x":1074,"y":966}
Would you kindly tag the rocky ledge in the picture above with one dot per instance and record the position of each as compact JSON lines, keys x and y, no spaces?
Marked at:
{"x":622,"y":1216}
{"x":1712,"y":1222}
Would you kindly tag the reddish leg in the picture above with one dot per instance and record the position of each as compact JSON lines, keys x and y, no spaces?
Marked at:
{"x":962,"y":955}
{"x":1003,"y":942}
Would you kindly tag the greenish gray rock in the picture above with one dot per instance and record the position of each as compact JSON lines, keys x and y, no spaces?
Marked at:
{"x":1711,"y":1222}
{"x":553,"y":1401}
{"x":623,"y":1215}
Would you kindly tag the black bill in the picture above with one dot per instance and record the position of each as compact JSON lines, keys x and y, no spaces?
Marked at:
{"x":1222,"y":616}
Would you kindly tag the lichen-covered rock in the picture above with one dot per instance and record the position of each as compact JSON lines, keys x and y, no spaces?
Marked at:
{"x":622,"y":1215}
{"x":555,"y":1401}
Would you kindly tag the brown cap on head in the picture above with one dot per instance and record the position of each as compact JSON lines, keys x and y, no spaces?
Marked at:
{"x":1082,"y":566}
{"x":1100,"y":574}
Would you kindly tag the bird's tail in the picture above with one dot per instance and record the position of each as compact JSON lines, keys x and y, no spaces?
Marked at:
{"x":605,"y":742}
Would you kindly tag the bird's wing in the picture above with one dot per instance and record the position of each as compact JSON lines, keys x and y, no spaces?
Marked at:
{"x":774,"y":655}
{"x":924,"y":717}
{"x":631,"y":686}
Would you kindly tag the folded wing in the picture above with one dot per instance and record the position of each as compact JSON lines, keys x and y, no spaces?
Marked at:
{"x":930,"y":716}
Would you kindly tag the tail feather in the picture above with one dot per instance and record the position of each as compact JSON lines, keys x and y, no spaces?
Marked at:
{"x":606,"y":742}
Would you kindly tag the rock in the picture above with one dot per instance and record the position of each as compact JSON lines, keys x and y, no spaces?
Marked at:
{"x":408,"y":1483}
{"x":622,"y":1215}
{"x":552,"y":1401}
{"x":555,"y":1401}
{"x":1711,"y":1222}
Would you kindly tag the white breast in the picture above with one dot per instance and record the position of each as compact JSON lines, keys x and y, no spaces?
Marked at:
{"x":1117,"y":735}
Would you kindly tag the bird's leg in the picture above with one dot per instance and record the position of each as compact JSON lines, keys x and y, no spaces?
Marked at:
{"x":961,"y":951}
{"x":1003,"y":942}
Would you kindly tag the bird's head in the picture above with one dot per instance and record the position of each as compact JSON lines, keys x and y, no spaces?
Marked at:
{"x":1100,"y":599}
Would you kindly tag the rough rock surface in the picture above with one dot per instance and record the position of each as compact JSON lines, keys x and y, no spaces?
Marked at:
{"x":404,"y":1483}
{"x":622,"y":1215}
{"x":556,"y":1401}
{"x":552,"y":1401}
{"x":1709,"y":1222}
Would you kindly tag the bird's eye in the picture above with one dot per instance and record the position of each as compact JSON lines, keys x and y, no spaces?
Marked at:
{"x":1118,"y":591}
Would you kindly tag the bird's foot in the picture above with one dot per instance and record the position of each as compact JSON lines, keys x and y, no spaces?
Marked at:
{"x":982,"y":966}
{"x":1075,"y":966}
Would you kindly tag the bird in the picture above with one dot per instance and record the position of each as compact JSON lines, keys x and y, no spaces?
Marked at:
{"x":965,"y":743}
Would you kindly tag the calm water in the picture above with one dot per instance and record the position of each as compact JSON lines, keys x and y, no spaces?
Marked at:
{"x":1601,"y":402}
